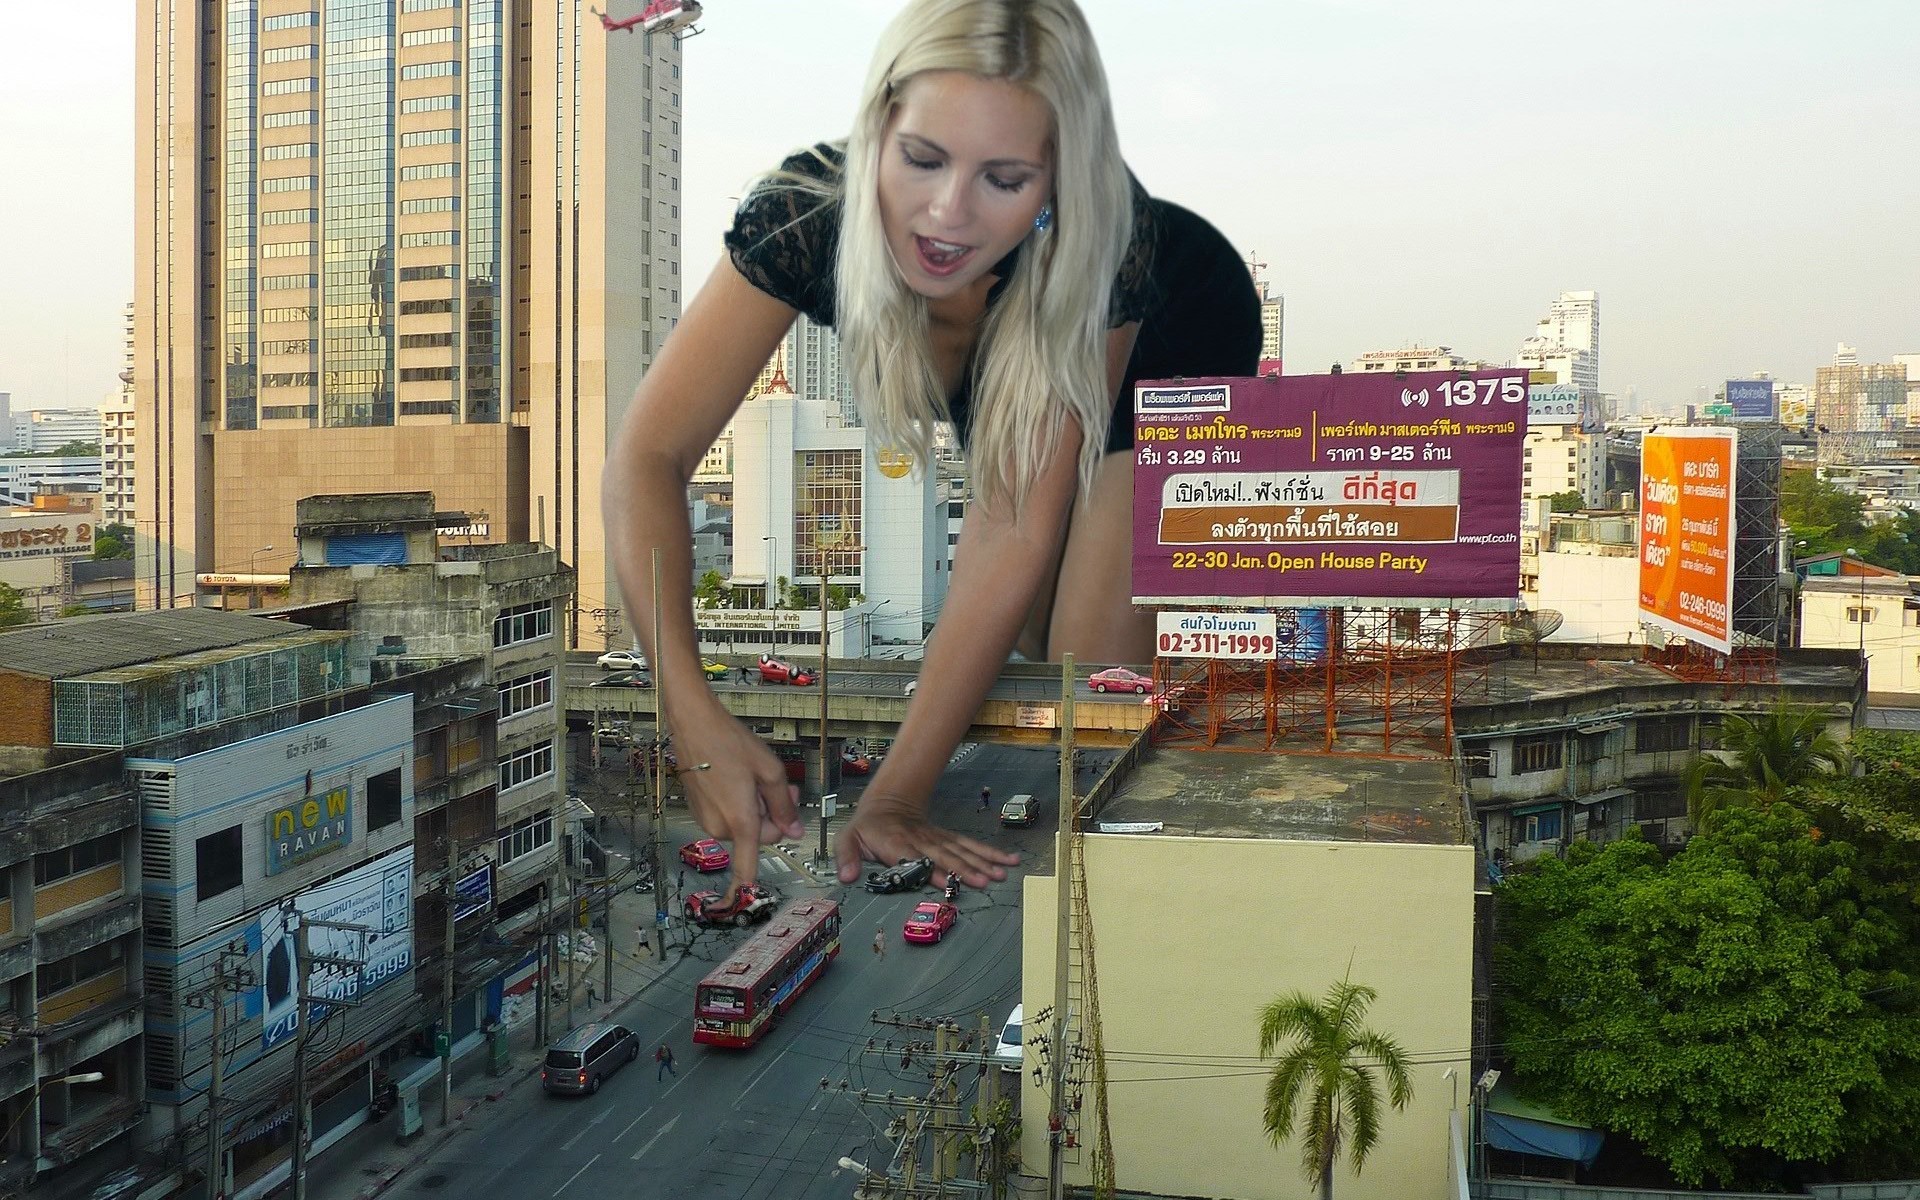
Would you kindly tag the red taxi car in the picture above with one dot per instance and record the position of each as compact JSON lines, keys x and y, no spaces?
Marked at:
{"x":929,"y":921}
{"x":708,"y":909}
{"x":706,"y":855}
{"x":1119,"y":679}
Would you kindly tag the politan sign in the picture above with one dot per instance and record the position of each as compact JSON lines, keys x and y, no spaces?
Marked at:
{"x":1686,"y":534}
{"x":1330,"y":490}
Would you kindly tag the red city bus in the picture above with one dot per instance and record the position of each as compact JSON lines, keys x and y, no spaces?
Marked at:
{"x":738,"y":1000}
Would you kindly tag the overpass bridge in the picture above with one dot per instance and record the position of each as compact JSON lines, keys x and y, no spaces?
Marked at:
{"x":866,"y":699}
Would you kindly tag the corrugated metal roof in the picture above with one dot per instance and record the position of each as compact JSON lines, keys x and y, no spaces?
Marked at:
{"x":83,"y":645}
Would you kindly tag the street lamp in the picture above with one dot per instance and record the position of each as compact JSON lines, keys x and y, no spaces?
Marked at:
{"x":32,"y":1100}
{"x":773,"y":552}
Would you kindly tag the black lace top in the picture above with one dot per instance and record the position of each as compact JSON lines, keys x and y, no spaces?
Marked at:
{"x":783,"y":241}
{"x":1179,"y":278}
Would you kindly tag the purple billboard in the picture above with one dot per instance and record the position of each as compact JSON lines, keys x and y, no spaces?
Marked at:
{"x":1330,"y":490}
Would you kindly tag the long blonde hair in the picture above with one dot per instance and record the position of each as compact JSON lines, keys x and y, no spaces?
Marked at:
{"x":1042,"y":352}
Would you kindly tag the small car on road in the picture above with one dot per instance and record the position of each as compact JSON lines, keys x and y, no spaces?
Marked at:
{"x":706,"y":855}
{"x":1119,"y":679}
{"x":1007,"y":1051}
{"x":716,"y":670}
{"x":773,"y":670}
{"x":707,"y":909}
{"x":929,"y":921}
{"x":621,"y":660}
{"x":909,"y":875}
{"x":1018,"y":812}
{"x":854,"y":763}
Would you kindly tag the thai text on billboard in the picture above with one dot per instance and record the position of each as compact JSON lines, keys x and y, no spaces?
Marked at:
{"x":1247,"y":636}
{"x":1751,"y":399}
{"x":347,"y":963}
{"x":1330,"y":490}
{"x":1686,"y":534}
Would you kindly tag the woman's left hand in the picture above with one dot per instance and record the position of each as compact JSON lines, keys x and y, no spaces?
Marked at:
{"x":890,"y":828}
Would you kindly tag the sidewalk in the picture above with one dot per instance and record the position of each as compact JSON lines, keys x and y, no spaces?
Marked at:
{"x":368,"y":1161}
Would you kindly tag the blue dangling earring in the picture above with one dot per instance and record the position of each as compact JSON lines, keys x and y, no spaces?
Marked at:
{"x":1044,"y":219}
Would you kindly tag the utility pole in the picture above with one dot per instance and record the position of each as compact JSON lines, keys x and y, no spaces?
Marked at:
{"x":573,"y":942}
{"x":446,"y":986}
{"x":1062,"y":935}
{"x":227,"y":980}
{"x":825,"y":765}
{"x":303,"y":960}
{"x":543,"y":965}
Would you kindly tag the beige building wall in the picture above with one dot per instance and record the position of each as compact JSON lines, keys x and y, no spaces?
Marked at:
{"x":602,"y":284}
{"x":260,"y":474}
{"x":1184,"y":972}
{"x":1875,"y":614}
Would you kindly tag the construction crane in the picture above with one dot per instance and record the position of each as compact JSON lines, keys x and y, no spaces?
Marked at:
{"x":674,"y":18}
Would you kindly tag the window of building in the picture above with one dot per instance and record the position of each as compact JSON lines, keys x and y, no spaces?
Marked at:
{"x":303,"y":20}
{"x":1591,"y":748}
{"x":526,"y":693}
{"x":523,"y":623}
{"x":289,"y":216}
{"x":430,"y":137}
{"x":278,"y":120}
{"x":285,"y":87}
{"x":425,"y":341}
{"x":383,"y":799}
{"x":1710,"y":730}
{"x":90,"y":963}
{"x":289,"y":183}
{"x":1859,"y":616}
{"x":216,"y":863}
{"x":427,"y":37}
{"x":525,"y":836}
{"x":414,"y":308}
{"x":429,"y":204}
{"x":1655,"y":735}
{"x":444,"y":170}
{"x":431,"y":70}
{"x":1537,"y":826}
{"x":1660,"y":802}
{"x":297,"y":150}
{"x":426,"y":5}
{"x":525,"y":766}
{"x":436,"y":271}
{"x":282,"y":54}
{"x":1479,"y":761}
{"x":1536,"y":753}
{"x":956,"y":508}
{"x":433,"y":237}
{"x":421,"y":104}
{"x":71,"y":860}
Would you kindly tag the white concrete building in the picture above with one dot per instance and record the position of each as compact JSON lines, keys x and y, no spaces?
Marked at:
{"x":1559,"y":458}
{"x":1878,"y":615}
{"x":1411,"y":358}
{"x":1587,"y":569}
{"x":812,"y":494}
{"x":40,"y":430}
{"x":1567,"y":341}
{"x":21,"y":479}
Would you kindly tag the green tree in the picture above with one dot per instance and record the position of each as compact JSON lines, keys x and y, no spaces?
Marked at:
{"x":13,"y":609}
{"x":1767,"y":755}
{"x":1328,"y":1060}
{"x":75,"y":610}
{"x":708,"y":590}
{"x":1737,"y":1011}
{"x":1566,"y":501}
{"x":105,"y":547}
{"x":1823,"y":515}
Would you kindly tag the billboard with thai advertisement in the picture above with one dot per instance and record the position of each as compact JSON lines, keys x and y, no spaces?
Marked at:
{"x":1751,"y":399}
{"x":377,"y":898}
{"x":1686,"y":534}
{"x":1330,"y":490}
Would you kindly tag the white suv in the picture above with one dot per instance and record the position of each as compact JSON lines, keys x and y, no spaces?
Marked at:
{"x":1007,"y":1053}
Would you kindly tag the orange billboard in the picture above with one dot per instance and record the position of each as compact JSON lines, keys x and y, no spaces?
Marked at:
{"x":1686,"y":534}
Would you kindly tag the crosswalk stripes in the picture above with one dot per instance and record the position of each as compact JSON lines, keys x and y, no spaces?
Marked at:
{"x":774,"y":862}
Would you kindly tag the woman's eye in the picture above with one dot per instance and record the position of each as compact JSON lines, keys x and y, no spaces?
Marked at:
{"x":1006,"y":185}
{"x":924,"y":164}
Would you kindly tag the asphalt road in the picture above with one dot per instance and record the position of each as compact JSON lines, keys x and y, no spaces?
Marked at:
{"x":745,"y":1125}
{"x":582,"y":673}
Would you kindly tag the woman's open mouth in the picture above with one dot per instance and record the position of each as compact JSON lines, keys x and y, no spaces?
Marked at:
{"x":940,"y":258}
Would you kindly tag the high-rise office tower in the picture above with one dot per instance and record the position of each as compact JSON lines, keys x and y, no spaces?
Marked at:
{"x":394,"y":245}
{"x":1567,"y":341}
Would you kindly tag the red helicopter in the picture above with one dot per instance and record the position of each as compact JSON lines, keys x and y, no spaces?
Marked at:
{"x":672,"y":17}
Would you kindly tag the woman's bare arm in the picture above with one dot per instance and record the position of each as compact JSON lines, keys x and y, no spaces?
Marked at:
{"x":694,"y":387}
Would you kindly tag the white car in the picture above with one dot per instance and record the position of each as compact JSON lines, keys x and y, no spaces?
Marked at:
{"x":621,"y":660}
{"x":1007,"y":1053}
{"x":909,"y":689}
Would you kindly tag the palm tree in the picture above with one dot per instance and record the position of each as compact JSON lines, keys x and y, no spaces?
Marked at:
{"x":1330,"y":1061}
{"x":1767,"y":755}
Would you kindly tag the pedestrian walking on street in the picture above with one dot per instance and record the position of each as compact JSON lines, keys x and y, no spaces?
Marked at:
{"x":680,"y":884}
{"x":880,"y":943}
{"x":664,"y":1058}
{"x":986,"y":799}
{"x":593,"y":993}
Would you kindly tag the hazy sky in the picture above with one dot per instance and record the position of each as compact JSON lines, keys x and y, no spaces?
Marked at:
{"x":1737,"y":179}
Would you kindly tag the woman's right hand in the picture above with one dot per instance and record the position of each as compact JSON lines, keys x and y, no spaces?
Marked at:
{"x":736,"y":789}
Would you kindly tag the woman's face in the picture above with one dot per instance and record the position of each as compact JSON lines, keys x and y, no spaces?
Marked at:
{"x":965,"y":165}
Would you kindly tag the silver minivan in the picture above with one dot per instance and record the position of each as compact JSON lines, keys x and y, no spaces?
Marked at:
{"x":580,"y":1060}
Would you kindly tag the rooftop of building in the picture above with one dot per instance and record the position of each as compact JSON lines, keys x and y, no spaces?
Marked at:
{"x":84,"y":645}
{"x":1306,"y":797}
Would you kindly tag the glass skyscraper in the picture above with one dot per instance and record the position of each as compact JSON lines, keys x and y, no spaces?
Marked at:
{"x":393,"y":245}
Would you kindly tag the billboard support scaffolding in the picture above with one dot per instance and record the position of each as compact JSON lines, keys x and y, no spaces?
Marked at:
{"x":1379,"y":681}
